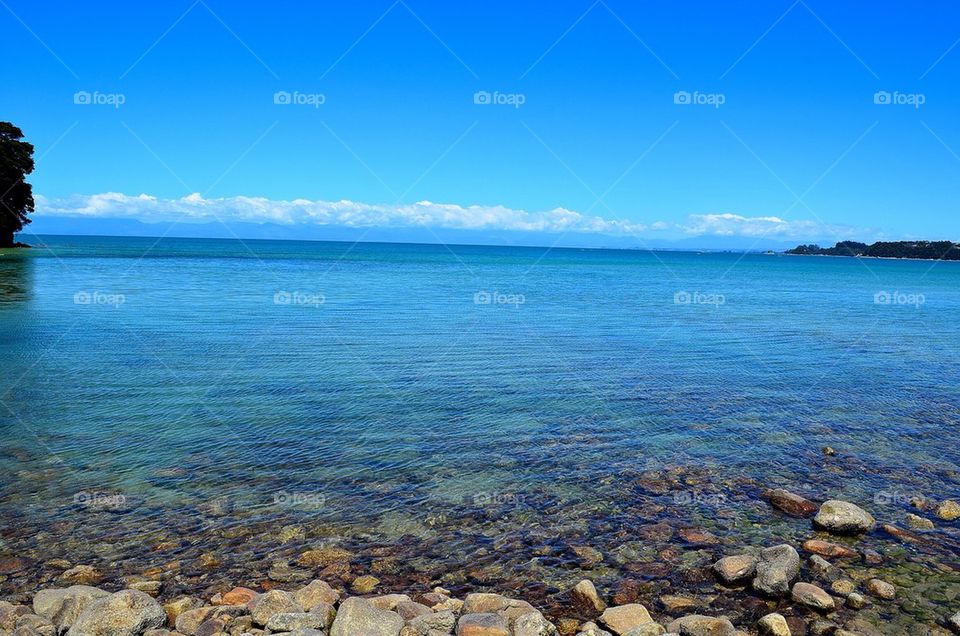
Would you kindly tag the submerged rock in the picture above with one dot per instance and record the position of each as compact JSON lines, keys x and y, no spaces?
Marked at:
{"x":791,"y":504}
{"x":735,"y":569}
{"x":812,"y":596}
{"x":949,"y":510}
{"x":919,"y":523}
{"x":777,"y":568}
{"x":881,"y":589}
{"x":828,"y":549}
{"x":586,"y":599}
{"x":843,"y":517}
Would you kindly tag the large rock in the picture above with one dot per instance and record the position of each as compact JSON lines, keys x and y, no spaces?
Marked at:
{"x":435,"y":624}
{"x":793,"y":505}
{"x":126,"y":613}
{"x":63,"y":606}
{"x":812,"y":596}
{"x":359,"y":616}
{"x":586,"y":599}
{"x":486,"y":624}
{"x":647,"y":629}
{"x":484,"y":602}
{"x":623,"y":618}
{"x":843,"y":517}
{"x":773,"y":625}
{"x":533,"y":624}
{"x":954,"y":622}
{"x":697,"y":625}
{"x":734,"y":569}
{"x":949,"y":510}
{"x":289,"y":621}
{"x":270,"y":603}
{"x":777,"y":568}
{"x":314,"y":593}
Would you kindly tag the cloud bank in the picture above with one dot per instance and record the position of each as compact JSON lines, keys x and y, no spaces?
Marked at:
{"x":423,"y":214}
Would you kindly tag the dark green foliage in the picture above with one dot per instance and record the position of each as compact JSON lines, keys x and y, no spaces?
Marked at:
{"x":16,"y":195}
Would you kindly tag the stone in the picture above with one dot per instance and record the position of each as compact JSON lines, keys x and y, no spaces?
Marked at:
{"x":830,"y":451}
{"x":812,"y":596}
{"x":587,"y":556}
{"x":697,"y":625}
{"x":484,"y":602}
{"x":486,"y":624}
{"x":777,"y":568}
{"x":62,"y":606}
{"x":10,"y":614}
{"x":857,"y":601}
{"x":954,"y":622}
{"x":791,"y":504}
{"x":388,"y":601}
{"x":326,"y":611}
{"x":364,"y":584}
{"x":177,"y":607}
{"x":822,"y":568}
{"x":822,"y":628}
{"x":314,"y":593}
{"x":409,"y":610}
{"x":881,"y":589}
{"x":698,"y":536}
{"x":843,"y":587}
{"x":125,"y":613}
{"x":14,"y":564}
{"x":843,"y":517}
{"x":435,"y":624}
{"x":735,"y":569}
{"x":359,"y":616}
{"x":190,"y":621}
{"x":239,"y":596}
{"x":919,"y":523}
{"x":949,"y":510}
{"x":289,"y":621}
{"x":676,"y":604}
{"x":828,"y":549}
{"x":81,"y":575}
{"x":211,"y":627}
{"x":586,"y":599}
{"x":647,"y":629}
{"x":323,"y":557}
{"x":270,"y":603}
{"x":773,"y":625}
{"x":533,"y":624}
{"x":623,"y":618}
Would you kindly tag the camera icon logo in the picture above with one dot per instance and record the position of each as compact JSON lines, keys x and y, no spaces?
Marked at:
{"x":882,"y":298}
{"x":82,"y":97}
{"x":682,"y":97}
{"x":482,"y":98}
{"x":682,"y":298}
{"x":282,"y":97}
{"x":882,"y":97}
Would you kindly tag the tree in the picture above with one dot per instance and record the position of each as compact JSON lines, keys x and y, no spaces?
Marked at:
{"x":16,"y":195}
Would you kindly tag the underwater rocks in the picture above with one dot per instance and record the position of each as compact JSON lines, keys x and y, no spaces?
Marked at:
{"x":843,"y":517}
{"x":791,"y":504}
{"x":777,"y":568}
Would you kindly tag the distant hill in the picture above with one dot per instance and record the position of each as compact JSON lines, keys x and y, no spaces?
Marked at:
{"x":928,"y":250}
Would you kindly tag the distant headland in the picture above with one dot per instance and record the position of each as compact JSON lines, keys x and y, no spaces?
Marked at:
{"x":926,"y":250}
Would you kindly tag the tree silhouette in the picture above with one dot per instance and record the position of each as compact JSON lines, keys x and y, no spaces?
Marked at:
{"x":16,"y":195}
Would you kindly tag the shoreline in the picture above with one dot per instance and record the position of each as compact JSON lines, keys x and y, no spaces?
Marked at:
{"x":827,"y":584}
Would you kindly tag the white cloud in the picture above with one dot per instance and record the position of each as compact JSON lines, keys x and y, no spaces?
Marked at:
{"x":195,"y":208}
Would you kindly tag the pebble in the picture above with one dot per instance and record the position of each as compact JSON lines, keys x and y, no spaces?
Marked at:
{"x":881,"y":589}
{"x":773,"y":625}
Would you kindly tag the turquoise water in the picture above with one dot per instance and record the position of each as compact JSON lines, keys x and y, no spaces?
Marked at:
{"x":369,"y":388}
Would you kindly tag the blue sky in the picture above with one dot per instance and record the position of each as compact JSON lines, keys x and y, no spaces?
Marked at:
{"x":797,"y":147}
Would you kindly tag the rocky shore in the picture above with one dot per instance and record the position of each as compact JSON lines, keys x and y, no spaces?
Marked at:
{"x":826,"y":586}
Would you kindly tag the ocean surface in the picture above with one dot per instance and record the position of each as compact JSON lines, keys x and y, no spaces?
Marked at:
{"x":463,"y":406}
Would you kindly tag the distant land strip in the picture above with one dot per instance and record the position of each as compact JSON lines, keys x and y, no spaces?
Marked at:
{"x":927,"y":250}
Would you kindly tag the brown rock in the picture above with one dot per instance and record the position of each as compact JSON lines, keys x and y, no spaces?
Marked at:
{"x":316,"y":592}
{"x":812,"y":596}
{"x":587,"y":556}
{"x":238,"y":596}
{"x":697,"y":625}
{"x":698,"y":536}
{"x":791,"y":504}
{"x":482,"y":625}
{"x":881,"y":589}
{"x":623,"y":618}
{"x":949,"y":510}
{"x":322,"y":557}
{"x":773,"y":625}
{"x":735,"y":569}
{"x":81,"y":575}
{"x":828,"y":549}
{"x":586,"y":599}
{"x":364,"y":584}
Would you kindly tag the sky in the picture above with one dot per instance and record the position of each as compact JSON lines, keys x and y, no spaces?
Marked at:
{"x":793,"y":120}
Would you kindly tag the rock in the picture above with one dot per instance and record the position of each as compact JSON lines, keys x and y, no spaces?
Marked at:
{"x":734,"y":569}
{"x":881,"y":589}
{"x":289,"y":621}
{"x":409,"y":610}
{"x":830,"y":451}
{"x":828,"y":549}
{"x":484,"y":602}
{"x":533,"y":624}
{"x":125,"y":613}
{"x":954,"y":622}
{"x":14,"y":564}
{"x":843,"y":587}
{"x":822,"y":568}
{"x":812,"y":596}
{"x":81,"y":575}
{"x":190,"y":621}
{"x":364,"y":584}
{"x":62,"y":606}
{"x":857,"y":601}
{"x":949,"y":510}
{"x":326,"y":611}
{"x":822,"y":628}
{"x":239,"y":596}
{"x":435,"y":624}
{"x":773,"y":625}
{"x":843,"y":517}
{"x":791,"y":504}
{"x":587,"y":556}
{"x":388,"y":601}
{"x":697,"y":625}
{"x":322,"y":557}
{"x":919,"y":523}
{"x":10,"y":614}
{"x":211,"y":627}
{"x":623,"y":618}
{"x":777,"y":568}
{"x":314,"y":593}
{"x":270,"y":603}
{"x":647,"y":629}
{"x":698,"y":536}
{"x":904,"y":535}
{"x":359,"y":616}
{"x":586,"y":599}
{"x":177,"y":607}
{"x":482,"y":625}
{"x":676,"y":604}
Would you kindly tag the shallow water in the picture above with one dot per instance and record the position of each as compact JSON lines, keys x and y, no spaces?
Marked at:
{"x":369,"y":393}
